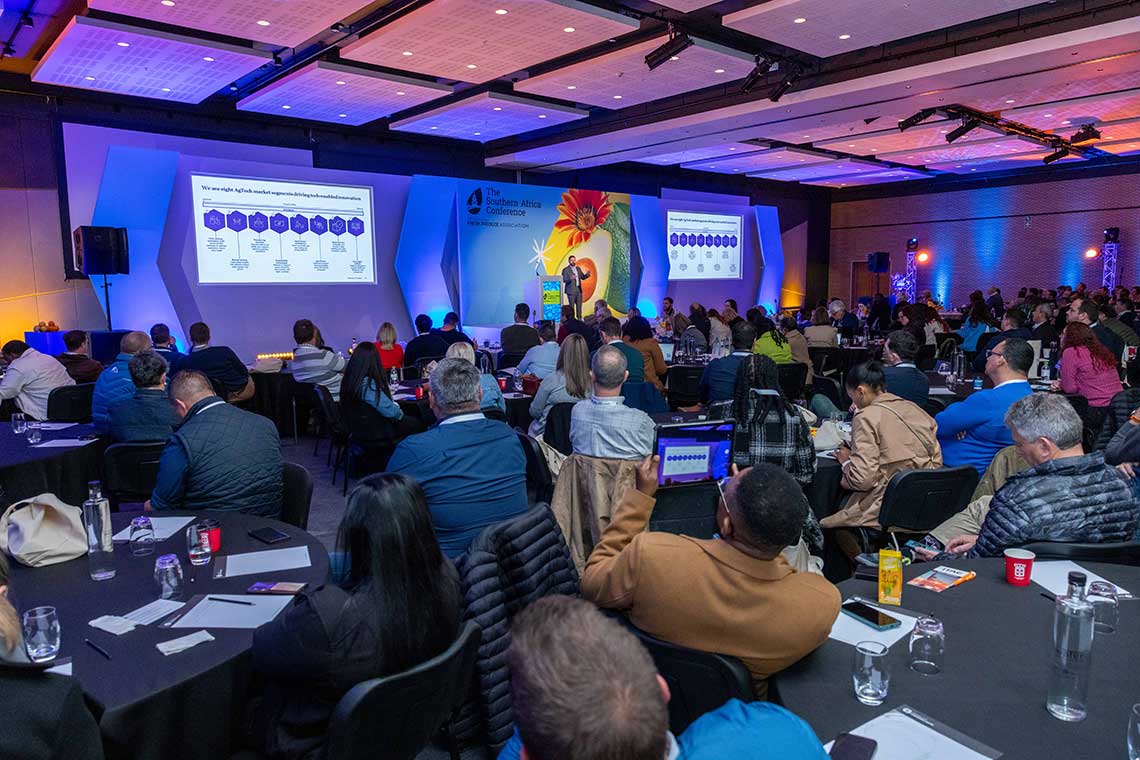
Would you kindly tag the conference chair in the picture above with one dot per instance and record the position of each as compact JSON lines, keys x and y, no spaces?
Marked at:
{"x":720,"y":410}
{"x":495,"y":413}
{"x":539,"y":479}
{"x":687,"y":510}
{"x":300,"y":396}
{"x":925,"y":358}
{"x":557,"y":432}
{"x":337,"y":432}
{"x":130,"y":471}
{"x":827,"y":361}
{"x":830,"y":389}
{"x":508,"y":360}
{"x":917,"y":501}
{"x":684,"y":385}
{"x":1118,"y":553}
{"x":1116,"y":416}
{"x":792,"y":378}
{"x":421,"y":365}
{"x":933,"y":405}
{"x":644,"y":396}
{"x":1091,"y":419}
{"x":70,"y":403}
{"x":296,"y":496}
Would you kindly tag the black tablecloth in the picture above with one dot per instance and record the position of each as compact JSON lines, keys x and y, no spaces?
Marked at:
{"x":188,"y":705}
{"x":995,"y":674}
{"x":823,"y":493}
{"x":26,"y":471}
{"x":271,"y":398}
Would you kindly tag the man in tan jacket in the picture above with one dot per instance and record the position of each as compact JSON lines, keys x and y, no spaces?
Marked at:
{"x":733,"y":595}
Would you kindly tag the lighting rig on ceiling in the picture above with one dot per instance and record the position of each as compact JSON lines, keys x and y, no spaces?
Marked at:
{"x":677,"y":43}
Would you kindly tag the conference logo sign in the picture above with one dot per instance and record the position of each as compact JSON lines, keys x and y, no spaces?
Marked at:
{"x":475,"y":201}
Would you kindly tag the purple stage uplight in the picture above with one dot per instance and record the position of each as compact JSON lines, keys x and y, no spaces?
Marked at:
{"x":318,"y":225}
{"x":236,"y":221}
{"x":214,"y":220}
{"x":258,"y":222}
{"x":299,"y":224}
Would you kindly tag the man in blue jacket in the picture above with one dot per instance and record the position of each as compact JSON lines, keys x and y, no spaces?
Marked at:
{"x":147,"y":416}
{"x":114,"y":383}
{"x":973,"y":431}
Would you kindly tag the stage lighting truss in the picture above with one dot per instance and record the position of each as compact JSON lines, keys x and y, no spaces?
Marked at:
{"x":677,"y":43}
{"x":756,"y":76}
{"x":1085,"y":134}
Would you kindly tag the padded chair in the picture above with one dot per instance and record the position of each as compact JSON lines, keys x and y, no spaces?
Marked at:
{"x":720,"y":410}
{"x":495,"y":413}
{"x":644,"y":396}
{"x":421,"y":364}
{"x":394,"y":717}
{"x":1091,"y":419}
{"x":297,"y":496}
{"x":688,"y":510}
{"x":130,"y":471}
{"x":830,"y":389}
{"x":70,"y":403}
{"x":925,"y":359}
{"x":337,"y":432}
{"x":917,"y":501}
{"x":300,"y":397}
{"x":792,"y":378}
{"x":1118,"y":553}
{"x":506,"y":361}
{"x":557,"y":433}
{"x":827,"y":361}
{"x":539,"y":479}
{"x":933,"y":405}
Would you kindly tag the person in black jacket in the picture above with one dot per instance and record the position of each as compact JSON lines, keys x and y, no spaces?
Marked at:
{"x":1012,"y":326}
{"x":395,"y":605}
{"x":426,"y":345}
{"x":219,"y":363}
{"x":146,"y":416}
{"x":904,"y":379}
{"x":42,"y":715}
{"x":1085,"y":310}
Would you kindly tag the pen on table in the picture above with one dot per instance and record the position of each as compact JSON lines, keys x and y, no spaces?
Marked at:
{"x":97,"y":648}
{"x":229,"y":601}
{"x":1048,"y":596}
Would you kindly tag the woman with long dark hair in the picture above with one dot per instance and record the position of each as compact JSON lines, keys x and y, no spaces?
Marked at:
{"x":771,"y":342}
{"x":637,"y":333}
{"x":396,"y":606}
{"x":977,"y":323}
{"x":366,"y":404}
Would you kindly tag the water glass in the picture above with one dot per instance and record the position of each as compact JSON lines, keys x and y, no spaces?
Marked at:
{"x":142,"y":536}
{"x":18,"y":423}
{"x":870,"y":672}
{"x":927,"y":645}
{"x":34,"y":432}
{"x":1134,"y":733}
{"x":198,"y":544}
{"x":1105,"y":606}
{"x":168,"y":576}
{"x":41,"y":633}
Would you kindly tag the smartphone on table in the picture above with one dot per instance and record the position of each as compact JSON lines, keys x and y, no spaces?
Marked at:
{"x":869,"y":615}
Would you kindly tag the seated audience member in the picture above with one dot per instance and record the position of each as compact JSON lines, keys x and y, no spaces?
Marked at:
{"x":450,"y":331}
{"x":396,"y":607}
{"x":1065,"y":495}
{"x":637,"y":333}
{"x":995,"y":302}
{"x":30,"y":378}
{"x":1012,"y":326}
{"x":1085,"y":311}
{"x":613,"y":704}
{"x":146,"y":416}
{"x":768,"y":428}
{"x":773,"y":344}
{"x":720,"y":334}
{"x":978,"y":323}
{"x":1126,"y":310}
{"x":492,"y":394}
{"x":888,"y":435}
{"x":79,"y":364}
{"x":165,"y":346}
{"x":797,"y":344}
{"x":220,"y":457}
{"x":1117,"y":327}
{"x":472,"y":469}
{"x":114,"y":383}
{"x":315,"y":365}
{"x":364,"y":394}
{"x":602,"y":425}
{"x":426,"y":345}
{"x":568,"y":384}
{"x":904,"y":379}
{"x":1088,"y":369}
{"x":391,"y":352}
{"x":688,"y":337}
{"x":699,"y":318}
{"x":841,"y":319}
{"x":922,"y":321}
{"x":741,"y":597}
{"x":571,"y":325}
{"x":610,"y":331}
{"x":718,"y":380}
{"x":1042,"y":323}
{"x":971,"y":431}
{"x":821,"y":334}
{"x":45,"y":716}
{"x":219,"y":364}
{"x":880,"y":318}
{"x":540,"y":360}
{"x":519,"y":337}
{"x":601,"y":312}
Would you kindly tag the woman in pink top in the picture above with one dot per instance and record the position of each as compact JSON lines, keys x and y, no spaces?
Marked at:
{"x":1088,"y":368}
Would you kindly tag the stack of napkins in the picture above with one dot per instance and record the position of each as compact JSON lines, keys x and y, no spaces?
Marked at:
{"x":183,"y":643}
{"x":113,"y":624}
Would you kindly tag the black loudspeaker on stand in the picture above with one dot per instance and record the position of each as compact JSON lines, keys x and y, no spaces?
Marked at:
{"x":102,"y":251}
{"x":879,"y":262}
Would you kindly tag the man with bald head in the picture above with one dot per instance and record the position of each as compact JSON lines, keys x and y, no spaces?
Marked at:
{"x":114,"y":383}
{"x":602,"y":425}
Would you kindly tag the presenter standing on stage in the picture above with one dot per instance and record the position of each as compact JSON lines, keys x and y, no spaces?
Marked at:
{"x":572,"y":277}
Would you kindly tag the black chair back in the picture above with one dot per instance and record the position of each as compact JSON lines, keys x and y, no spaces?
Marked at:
{"x":933,"y":405}
{"x":688,"y":510}
{"x":70,"y":403}
{"x":506,"y":361}
{"x":394,"y":717}
{"x":1118,"y":553}
{"x":495,"y":413}
{"x":917,"y":501}
{"x":925,"y":359}
{"x":130,"y":471}
{"x":826,"y":361}
{"x":684,"y":384}
{"x":297,"y":496}
{"x":330,"y":410}
{"x":557,"y":433}
{"x":829,"y":388}
{"x":484,"y":360}
{"x":539,"y":479}
{"x":644,"y":396}
{"x":792,"y":378}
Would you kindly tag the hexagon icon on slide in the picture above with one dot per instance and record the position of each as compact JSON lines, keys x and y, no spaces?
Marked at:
{"x":356,"y":226}
{"x":258,"y":222}
{"x":214,"y":220}
{"x":318,"y":225}
{"x":337,"y":226}
{"x":278,"y":222}
{"x":236,"y":221}
{"x":299,"y":224}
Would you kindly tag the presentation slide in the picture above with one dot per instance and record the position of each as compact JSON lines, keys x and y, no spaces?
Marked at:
{"x":250,"y":230}
{"x":704,"y":246}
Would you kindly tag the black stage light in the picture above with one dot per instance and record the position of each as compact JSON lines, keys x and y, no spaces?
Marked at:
{"x":967,"y":126}
{"x":1085,"y":133}
{"x":784,"y":85}
{"x":759,"y":71}
{"x":1112,"y":235}
{"x":918,"y":118}
{"x":676,"y":43}
{"x":1056,"y":155}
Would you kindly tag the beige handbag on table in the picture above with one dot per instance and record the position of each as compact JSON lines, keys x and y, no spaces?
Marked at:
{"x":42,"y":531}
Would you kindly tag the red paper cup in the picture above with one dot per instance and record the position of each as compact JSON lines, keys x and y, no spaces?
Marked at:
{"x":215,"y":533}
{"x":419,"y":391}
{"x":1018,"y":566}
{"x":502,"y":383}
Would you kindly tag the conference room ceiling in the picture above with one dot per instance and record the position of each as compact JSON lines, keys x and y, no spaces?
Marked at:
{"x":560,"y":85}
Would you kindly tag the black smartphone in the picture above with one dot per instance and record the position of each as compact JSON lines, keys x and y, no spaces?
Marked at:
{"x":268,"y":535}
{"x":872,"y":616}
{"x":852,"y":747}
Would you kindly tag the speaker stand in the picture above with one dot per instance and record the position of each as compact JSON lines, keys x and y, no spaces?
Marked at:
{"x":107,"y":300}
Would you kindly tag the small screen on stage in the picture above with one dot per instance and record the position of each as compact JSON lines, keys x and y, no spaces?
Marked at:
{"x":551,"y":300}
{"x":704,"y":246}
{"x":250,"y":230}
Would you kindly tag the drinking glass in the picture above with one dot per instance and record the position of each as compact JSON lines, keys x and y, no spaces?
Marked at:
{"x":18,"y":423}
{"x":168,"y":576}
{"x":1134,"y":733}
{"x":870,"y":673}
{"x":41,"y":633}
{"x":198,"y":544}
{"x":34,"y":432}
{"x":142,"y":536}
{"x":927,"y":645}
{"x":1105,"y":606}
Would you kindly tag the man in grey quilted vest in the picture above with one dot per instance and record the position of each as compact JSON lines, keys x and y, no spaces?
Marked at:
{"x":220,"y":457}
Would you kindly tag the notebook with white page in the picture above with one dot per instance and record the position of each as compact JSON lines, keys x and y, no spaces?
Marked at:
{"x":164,"y":528}
{"x":238,"y":611}
{"x":267,"y":561}
{"x":906,"y":734}
{"x":1054,"y":575}
{"x":63,"y":443}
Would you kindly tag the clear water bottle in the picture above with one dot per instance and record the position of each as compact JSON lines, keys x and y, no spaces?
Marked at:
{"x":394,"y":380}
{"x":1073,"y":625}
{"x":97,"y":521}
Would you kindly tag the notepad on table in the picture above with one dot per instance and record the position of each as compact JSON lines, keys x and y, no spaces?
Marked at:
{"x":268,"y":561}
{"x":211,"y":611}
{"x":63,"y":443}
{"x":905,"y":734}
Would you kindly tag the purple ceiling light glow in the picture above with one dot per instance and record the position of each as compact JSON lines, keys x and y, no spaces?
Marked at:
{"x":488,"y":116}
{"x":769,"y":160}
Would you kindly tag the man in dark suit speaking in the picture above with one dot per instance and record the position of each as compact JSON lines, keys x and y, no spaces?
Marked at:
{"x":572,"y":277}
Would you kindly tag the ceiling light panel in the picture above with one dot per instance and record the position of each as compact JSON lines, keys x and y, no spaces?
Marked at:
{"x":323,"y":91}
{"x":621,"y":78}
{"x":488,"y":116}
{"x":764,"y":160}
{"x":466,"y":40}
{"x":994,"y":146}
{"x":874,"y":178}
{"x":727,"y":150}
{"x":285,"y":23}
{"x":1094,"y":108}
{"x":1127,"y":147}
{"x":153,"y":64}
{"x":1000,"y":163}
{"x":927,"y":135}
{"x":867,"y":22}
{"x":842,"y":167}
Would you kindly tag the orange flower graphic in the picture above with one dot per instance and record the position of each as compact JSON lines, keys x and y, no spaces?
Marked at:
{"x":580,"y":213}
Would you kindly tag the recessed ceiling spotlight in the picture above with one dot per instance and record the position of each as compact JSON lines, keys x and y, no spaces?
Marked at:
{"x":340,"y":82}
{"x":233,"y":88}
{"x":476,"y":134}
{"x":286,"y":107}
{"x":400,"y":92}
{"x":497,"y":108}
{"x":943,"y":131}
{"x":501,"y":12}
{"x":433,"y":127}
{"x":571,"y":87}
{"x":674,"y":58}
{"x":732,"y":148}
{"x":542,"y":116}
{"x":845,"y":36}
{"x":168,"y":3}
{"x":123,"y":44}
{"x":718,"y":71}
{"x":798,"y":20}
{"x":89,"y":78}
{"x":806,"y":136}
{"x":208,"y":59}
{"x":1066,"y":121}
{"x":1010,"y":100}
{"x":262,"y":22}
{"x":166,"y":89}
{"x":407,"y":52}
{"x":617,"y":97}
{"x":1048,"y":116}
{"x":568,"y":29}
{"x":472,"y":66}
{"x":342,"y":115}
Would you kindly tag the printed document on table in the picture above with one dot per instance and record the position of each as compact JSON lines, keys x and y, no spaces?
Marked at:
{"x":164,"y":528}
{"x":56,"y":425}
{"x":906,"y":734}
{"x":210,"y":613}
{"x":267,"y":561}
{"x":1054,"y":575}
{"x":63,"y":443}
{"x":850,"y":631}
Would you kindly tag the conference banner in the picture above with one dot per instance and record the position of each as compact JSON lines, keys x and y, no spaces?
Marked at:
{"x":510,"y":235}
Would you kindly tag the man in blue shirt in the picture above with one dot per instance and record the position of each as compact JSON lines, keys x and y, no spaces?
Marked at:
{"x":972,"y":431}
{"x":718,"y":381}
{"x":472,"y":469}
{"x":114,"y":383}
{"x":542,"y":359}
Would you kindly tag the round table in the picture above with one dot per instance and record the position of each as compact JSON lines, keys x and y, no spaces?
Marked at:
{"x":823,"y":492}
{"x":186,"y":705}
{"x":26,"y":471}
{"x":518,"y":405}
{"x":996,"y":669}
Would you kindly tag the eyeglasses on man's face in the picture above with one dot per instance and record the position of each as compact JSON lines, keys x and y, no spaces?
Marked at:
{"x":991,"y":352}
